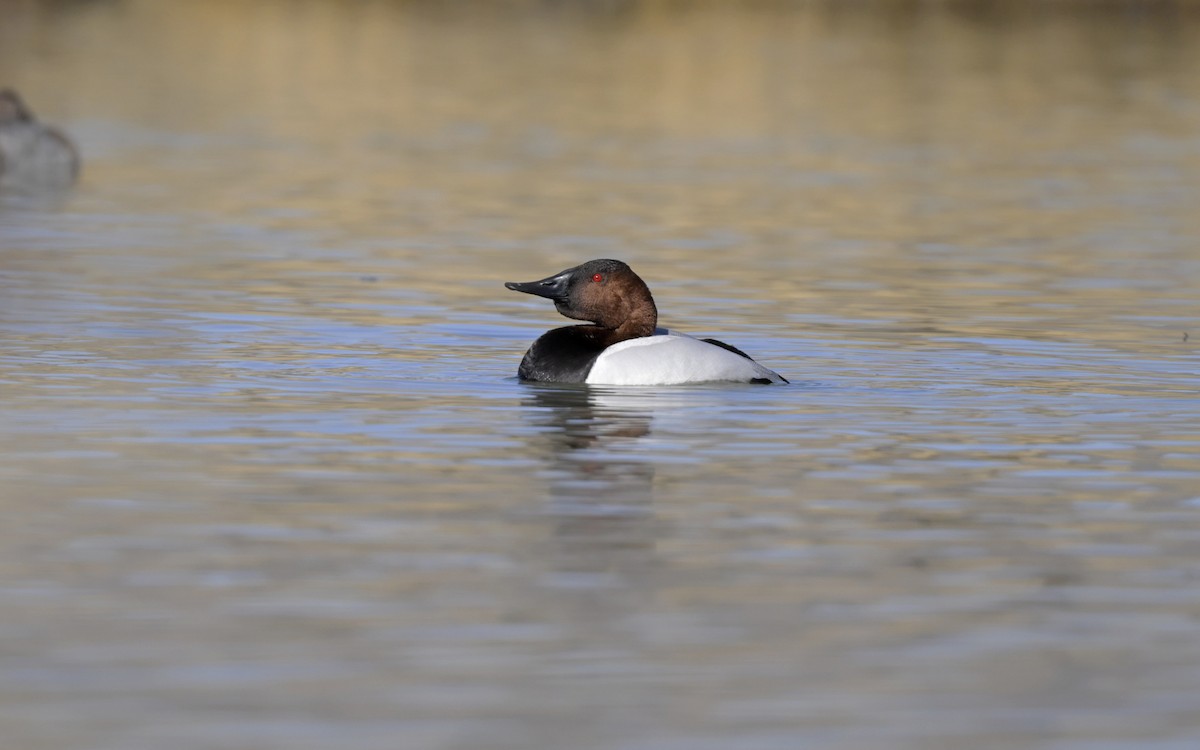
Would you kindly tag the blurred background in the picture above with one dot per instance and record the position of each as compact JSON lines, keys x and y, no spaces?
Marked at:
{"x":269,"y":480}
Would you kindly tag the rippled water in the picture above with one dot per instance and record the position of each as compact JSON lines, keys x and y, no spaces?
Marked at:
{"x":269,"y":480}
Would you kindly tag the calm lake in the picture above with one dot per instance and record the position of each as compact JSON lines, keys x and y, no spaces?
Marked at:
{"x":269,"y":480}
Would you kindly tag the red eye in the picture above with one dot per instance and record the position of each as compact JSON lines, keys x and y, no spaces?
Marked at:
{"x":597,"y":277}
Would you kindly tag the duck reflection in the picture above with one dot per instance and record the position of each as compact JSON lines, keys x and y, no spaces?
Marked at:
{"x":601,"y":483}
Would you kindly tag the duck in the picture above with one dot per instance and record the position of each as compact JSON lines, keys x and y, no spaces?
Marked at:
{"x":32,"y":154}
{"x":622,"y":343}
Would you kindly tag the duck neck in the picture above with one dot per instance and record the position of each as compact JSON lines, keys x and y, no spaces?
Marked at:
{"x":639,"y":323}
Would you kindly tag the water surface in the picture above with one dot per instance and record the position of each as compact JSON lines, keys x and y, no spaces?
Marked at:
{"x":269,"y":480}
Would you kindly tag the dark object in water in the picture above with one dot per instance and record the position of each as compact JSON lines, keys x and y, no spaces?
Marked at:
{"x":32,"y":155}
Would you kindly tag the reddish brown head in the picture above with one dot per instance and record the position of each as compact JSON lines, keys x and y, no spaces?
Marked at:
{"x":605,"y":292}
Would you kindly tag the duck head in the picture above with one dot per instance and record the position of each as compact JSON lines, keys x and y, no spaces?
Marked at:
{"x":604,"y":292}
{"x":12,"y":108}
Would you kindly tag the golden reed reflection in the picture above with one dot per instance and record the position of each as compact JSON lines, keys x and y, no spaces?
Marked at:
{"x":928,"y":70}
{"x":912,"y":164}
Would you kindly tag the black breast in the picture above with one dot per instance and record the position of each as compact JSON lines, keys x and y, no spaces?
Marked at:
{"x":564,"y":355}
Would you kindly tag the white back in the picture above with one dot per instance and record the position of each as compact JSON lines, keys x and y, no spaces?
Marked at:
{"x":671,"y":359}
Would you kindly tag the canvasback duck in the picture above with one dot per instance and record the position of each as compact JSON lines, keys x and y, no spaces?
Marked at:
{"x":32,"y":155}
{"x":623,"y":345}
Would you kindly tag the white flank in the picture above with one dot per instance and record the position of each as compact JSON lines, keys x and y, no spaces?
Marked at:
{"x":672,"y":359}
